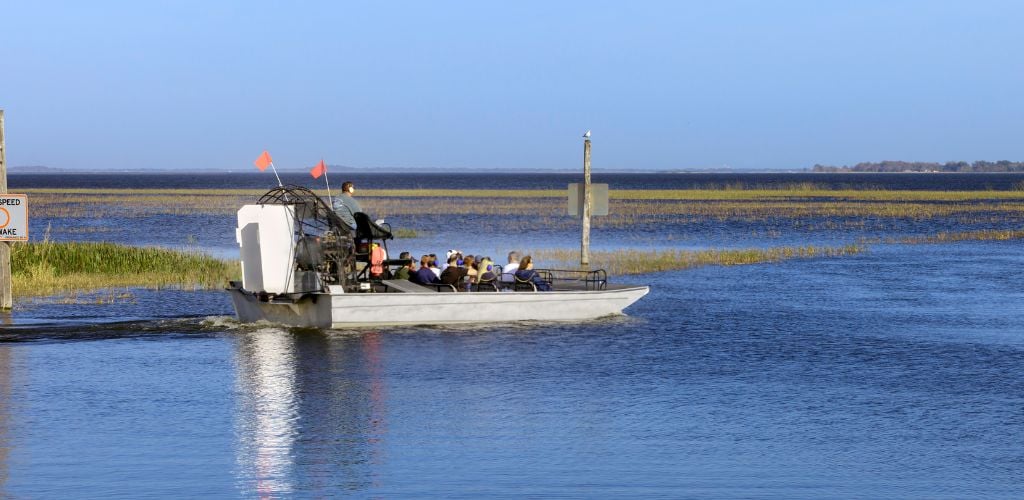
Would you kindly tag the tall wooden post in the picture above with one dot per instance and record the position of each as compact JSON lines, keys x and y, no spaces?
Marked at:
{"x":5,"y":247}
{"x":585,"y":243}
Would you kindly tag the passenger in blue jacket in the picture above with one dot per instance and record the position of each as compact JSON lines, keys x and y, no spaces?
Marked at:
{"x":424,"y":276}
{"x":526,"y":273}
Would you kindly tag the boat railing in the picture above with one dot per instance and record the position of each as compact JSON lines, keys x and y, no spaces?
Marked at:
{"x":570,"y":279}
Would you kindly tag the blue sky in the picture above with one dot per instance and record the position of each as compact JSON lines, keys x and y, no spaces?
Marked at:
{"x":497,"y":86}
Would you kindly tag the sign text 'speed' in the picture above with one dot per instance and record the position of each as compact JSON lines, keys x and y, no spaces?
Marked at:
{"x":13,"y":217}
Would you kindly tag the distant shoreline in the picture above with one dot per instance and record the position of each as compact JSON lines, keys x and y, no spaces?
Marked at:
{"x":908,"y":167}
{"x":28,"y":171}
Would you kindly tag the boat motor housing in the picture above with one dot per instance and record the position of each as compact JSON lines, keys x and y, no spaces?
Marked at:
{"x":272,"y":259}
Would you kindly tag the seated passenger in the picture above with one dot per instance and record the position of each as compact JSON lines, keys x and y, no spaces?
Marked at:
{"x":448,"y":257}
{"x":469,"y":263}
{"x":424,"y":276}
{"x":404,"y":272}
{"x":525,"y":273}
{"x":487,"y":276}
{"x":453,"y":274}
{"x":433,"y":266}
{"x":485,"y":272}
{"x":508,"y":272}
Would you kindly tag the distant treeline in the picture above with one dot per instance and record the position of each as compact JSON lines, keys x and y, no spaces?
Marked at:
{"x":919,"y":166}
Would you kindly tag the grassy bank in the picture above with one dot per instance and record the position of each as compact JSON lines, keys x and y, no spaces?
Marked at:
{"x":950,"y":237}
{"x":884,"y":216}
{"x":622,"y":262}
{"x":42,"y":269}
{"x":50,"y":268}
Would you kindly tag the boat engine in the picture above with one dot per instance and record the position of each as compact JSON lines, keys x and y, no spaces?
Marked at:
{"x":292,"y":242}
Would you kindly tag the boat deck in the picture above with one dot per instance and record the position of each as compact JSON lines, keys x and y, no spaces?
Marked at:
{"x":405,"y":286}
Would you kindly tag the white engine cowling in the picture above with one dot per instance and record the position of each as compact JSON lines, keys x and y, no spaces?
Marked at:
{"x":266,"y":238}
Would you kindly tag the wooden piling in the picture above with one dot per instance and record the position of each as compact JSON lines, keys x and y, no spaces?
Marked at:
{"x":585,"y":242}
{"x":5,"y":247}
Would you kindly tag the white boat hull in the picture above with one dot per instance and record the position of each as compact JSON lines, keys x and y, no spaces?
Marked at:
{"x":345,"y":310}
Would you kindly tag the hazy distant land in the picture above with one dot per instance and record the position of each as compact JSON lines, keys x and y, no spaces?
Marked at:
{"x":1002,"y":166}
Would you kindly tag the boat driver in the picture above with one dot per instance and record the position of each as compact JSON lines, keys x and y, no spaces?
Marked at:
{"x":346,"y":205}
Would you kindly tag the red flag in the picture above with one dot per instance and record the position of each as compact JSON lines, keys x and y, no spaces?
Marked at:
{"x":318,"y":170}
{"x":263,"y":161}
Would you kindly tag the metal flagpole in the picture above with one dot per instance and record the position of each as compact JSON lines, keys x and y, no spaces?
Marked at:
{"x":331,"y":200}
{"x":275,"y":173}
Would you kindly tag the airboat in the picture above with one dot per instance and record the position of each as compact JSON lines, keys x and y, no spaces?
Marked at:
{"x":303,"y":266}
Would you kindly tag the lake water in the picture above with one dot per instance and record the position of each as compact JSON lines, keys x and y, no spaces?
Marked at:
{"x":895,"y":373}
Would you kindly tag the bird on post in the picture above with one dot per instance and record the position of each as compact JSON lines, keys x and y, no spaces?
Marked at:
{"x":587,"y":135}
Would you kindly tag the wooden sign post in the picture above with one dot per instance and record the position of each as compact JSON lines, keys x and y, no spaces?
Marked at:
{"x":5,"y":247}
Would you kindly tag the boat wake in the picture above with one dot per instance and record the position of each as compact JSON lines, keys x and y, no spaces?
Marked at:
{"x":141,"y":328}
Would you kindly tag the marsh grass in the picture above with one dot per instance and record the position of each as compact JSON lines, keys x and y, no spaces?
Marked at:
{"x":49,"y":268}
{"x":835,"y":194}
{"x":729,"y":193}
{"x":622,"y":262}
{"x":549,"y":206}
{"x":949,"y":237}
{"x":406,"y":233}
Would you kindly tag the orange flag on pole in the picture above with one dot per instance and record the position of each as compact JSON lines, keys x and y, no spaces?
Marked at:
{"x":318,"y":170}
{"x":263,"y":161}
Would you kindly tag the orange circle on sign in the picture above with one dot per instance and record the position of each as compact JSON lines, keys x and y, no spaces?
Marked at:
{"x":7,"y":215}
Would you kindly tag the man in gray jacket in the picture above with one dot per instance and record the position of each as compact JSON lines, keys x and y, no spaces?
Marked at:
{"x":345,"y":205}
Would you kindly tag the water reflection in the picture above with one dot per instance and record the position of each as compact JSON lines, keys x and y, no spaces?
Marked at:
{"x":5,"y":414}
{"x":310,"y":413}
{"x":267,"y":411}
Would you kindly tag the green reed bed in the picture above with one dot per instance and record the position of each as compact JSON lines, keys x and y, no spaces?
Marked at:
{"x":147,"y":192}
{"x":949,"y":237}
{"x":639,"y":210}
{"x":844,"y":194}
{"x":98,"y":205}
{"x":621,"y":262}
{"x":523,"y":214}
{"x":48,"y":268}
{"x":759,"y":210}
{"x":406,"y":233}
{"x":722,"y":202}
{"x":622,"y":211}
{"x":798,"y":192}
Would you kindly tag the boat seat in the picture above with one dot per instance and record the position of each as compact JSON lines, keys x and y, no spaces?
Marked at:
{"x":369,"y":230}
{"x":486,"y":286}
{"x":367,"y":234}
{"x":524,"y":285}
{"x":396,"y":262}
